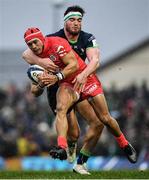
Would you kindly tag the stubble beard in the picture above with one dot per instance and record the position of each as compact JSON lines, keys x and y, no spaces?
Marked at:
{"x":74,"y":33}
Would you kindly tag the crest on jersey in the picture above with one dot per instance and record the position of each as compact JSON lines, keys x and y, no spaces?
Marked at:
{"x":52,"y":57}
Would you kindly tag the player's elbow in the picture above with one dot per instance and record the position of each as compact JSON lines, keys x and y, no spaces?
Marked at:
{"x":35,"y":91}
{"x":24,"y":55}
{"x":36,"y":94}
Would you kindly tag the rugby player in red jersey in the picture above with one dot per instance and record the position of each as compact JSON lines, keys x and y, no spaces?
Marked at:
{"x":84,"y":44}
{"x":70,"y":65}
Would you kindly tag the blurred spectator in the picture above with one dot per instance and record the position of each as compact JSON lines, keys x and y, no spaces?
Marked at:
{"x":27,"y":128}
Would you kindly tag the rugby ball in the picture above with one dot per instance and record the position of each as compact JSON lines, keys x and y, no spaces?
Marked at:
{"x":33,"y":72}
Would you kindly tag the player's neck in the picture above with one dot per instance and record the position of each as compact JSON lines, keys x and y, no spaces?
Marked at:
{"x":71,"y":37}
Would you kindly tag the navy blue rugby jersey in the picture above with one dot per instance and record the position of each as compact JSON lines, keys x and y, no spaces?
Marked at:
{"x":85,"y":40}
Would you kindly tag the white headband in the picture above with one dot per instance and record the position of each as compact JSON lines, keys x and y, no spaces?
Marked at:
{"x":71,"y":14}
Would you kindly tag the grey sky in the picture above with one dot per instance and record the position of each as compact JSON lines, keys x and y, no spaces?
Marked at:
{"x":117,"y":24}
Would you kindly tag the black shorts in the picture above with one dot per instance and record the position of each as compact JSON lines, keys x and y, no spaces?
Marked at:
{"x":51,"y":95}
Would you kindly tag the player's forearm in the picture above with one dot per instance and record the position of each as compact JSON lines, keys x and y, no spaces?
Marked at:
{"x":70,"y":69}
{"x":93,"y":57}
{"x":31,"y":58}
{"x":36,"y":90}
{"x":91,"y":67}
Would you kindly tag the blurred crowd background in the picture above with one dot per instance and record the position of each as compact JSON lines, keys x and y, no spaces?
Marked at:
{"x":27,"y":123}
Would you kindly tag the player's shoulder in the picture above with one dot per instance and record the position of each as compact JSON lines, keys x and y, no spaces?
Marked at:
{"x":86,"y":35}
{"x":87,"y":39}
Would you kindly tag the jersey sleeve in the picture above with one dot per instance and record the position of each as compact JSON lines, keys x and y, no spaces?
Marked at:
{"x":62,"y":47}
{"x":91,"y":42}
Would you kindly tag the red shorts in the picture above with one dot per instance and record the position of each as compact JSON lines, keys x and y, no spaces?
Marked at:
{"x":92,"y":87}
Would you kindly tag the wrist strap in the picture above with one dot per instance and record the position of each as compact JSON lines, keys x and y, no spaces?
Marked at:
{"x":60,"y":76}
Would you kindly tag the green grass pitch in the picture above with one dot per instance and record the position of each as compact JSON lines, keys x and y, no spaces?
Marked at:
{"x":130,"y":174}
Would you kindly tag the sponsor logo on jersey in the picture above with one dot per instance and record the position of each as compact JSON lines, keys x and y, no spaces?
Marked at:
{"x":90,"y":89}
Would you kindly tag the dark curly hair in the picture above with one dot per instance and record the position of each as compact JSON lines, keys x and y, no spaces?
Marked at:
{"x":74,"y":9}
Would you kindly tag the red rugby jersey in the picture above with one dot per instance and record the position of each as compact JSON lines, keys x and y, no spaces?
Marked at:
{"x":55,"y":48}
